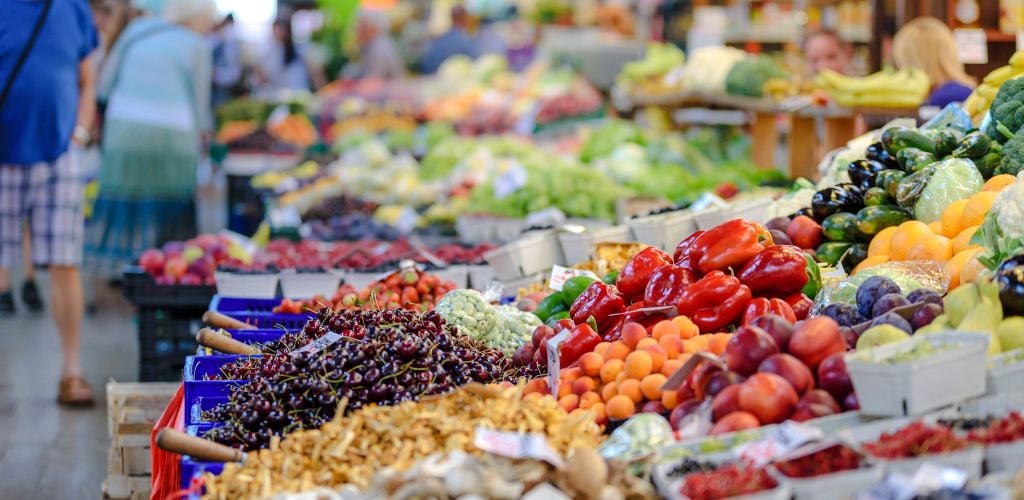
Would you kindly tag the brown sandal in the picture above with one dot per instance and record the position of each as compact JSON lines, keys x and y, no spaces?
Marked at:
{"x":75,"y":391}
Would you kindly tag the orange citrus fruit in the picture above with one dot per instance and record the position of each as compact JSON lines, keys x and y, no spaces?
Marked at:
{"x":934,"y":247}
{"x":977,"y":206}
{"x":880,"y":243}
{"x":998,"y":182}
{"x":962,"y":241}
{"x":907,"y":235}
{"x":951,"y":217}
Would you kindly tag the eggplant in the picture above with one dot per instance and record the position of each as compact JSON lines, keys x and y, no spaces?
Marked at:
{"x":839,"y":198}
{"x":864,"y":171}
{"x":1010,"y":278}
{"x":877,"y":152}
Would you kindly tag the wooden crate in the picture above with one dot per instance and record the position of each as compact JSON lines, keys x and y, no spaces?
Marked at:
{"x":132,"y":410}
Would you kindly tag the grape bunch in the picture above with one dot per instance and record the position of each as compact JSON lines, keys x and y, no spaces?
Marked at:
{"x":915,"y":440}
{"x":336,"y":205}
{"x":402,"y":356}
{"x":828,"y":461}
{"x":689,"y":466}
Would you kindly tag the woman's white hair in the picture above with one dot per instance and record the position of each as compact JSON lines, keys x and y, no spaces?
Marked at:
{"x":180,"y":11}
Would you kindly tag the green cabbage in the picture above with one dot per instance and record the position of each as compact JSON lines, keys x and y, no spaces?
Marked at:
{"x":954,"y":179}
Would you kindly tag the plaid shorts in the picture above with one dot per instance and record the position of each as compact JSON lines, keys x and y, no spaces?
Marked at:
{"x":49,"y":196}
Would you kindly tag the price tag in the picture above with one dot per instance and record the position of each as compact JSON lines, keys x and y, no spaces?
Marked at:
{"x":708,"y":201}
{"x":972,"y":44}
{"x":516,"y":445}
{"x":780,"y":440}
{"x":319,"y":344}
{"x":554,"y":364}
{"x":1020,"y":40}
{"x":511,"y":180}
{"x":559,"y":275}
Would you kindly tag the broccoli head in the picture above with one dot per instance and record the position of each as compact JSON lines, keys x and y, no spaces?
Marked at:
{"x":1012,"y":161}
{"x":1007,"y":111}
{"x":748,"y":76}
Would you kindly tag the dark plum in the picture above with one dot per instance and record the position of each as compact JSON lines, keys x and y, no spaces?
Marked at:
{"x":887,"y":303}
{"x":893,"y":319}
{"x":870,"y":291}
{"x":925,"y":315}
{"x":844,"y":314}
{"x":924,"y":295}
{"x":780,"y":238}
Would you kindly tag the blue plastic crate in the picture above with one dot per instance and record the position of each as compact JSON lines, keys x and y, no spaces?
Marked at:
{"x":258,"y":312}
{"x":190,"y":467}
{"x":202,"y":394}
{"x":241,"y":305}
{"x":249,"y":337}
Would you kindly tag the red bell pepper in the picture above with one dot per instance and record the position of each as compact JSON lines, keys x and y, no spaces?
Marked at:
{"x":634,"y":276}
{"x":686,"y":255}
{"x":776,"y":271}
{"x":731,"y":244}
{"x":667,"y":285}
{"x":801,"y":305}
{"x":599,"y":301}
{"x":714,"y":302}
{"x":582,"y":339}
{"x":761,"y":306}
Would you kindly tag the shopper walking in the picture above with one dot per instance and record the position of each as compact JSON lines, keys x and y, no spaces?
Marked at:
{"x":156,"y":84}
{"x":46,"y":104}
{"x":927,"y":44}
{"x":285,"y":66}
{"x":378,"y":54}
{"x":29,"y":290}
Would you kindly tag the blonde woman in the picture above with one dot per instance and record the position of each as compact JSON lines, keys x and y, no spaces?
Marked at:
{"x":927,"y":44}
{"x":156,"y":82}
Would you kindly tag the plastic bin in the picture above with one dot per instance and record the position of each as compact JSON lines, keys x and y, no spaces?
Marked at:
{"x":511,"y":287}
{"x":480,"y":276}
{"x":198,"y":388}
{"x":226,"y":305}
{"x":191,"y":468}
{"x":250,"y":337}
{"x":669,"y":488}
{"x":166,"y":337}
{"x":968,"y":460}
{"x":839,"y":485}
{"x":664,"y":231}
{"x":579,"y":247}
{"x":272,"y":321}
{"x":250,"y":286}
{"x":456,"y":274}
{"x":923,"y":384}
{"x":533,"y":253}
{"x":360,"y":279}
{"x":295,"y":285}
{"x":474,"y":229}
{"x":140,"y":289}
{"x":1004,"y":373}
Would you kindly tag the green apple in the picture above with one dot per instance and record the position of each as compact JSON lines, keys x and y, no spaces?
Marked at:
{"x":880,"y":335}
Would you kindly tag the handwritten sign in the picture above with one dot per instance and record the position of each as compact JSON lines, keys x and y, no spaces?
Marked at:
{"x":319,"y":344}
{"x":516,"y":445}
{"x":554,"y":363}
{"x":559,"y":275}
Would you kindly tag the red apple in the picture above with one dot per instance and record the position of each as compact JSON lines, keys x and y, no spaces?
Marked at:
{"x":202,"y":267}
{"x":218,"y":251}
{"x":540,"y":333}
{"x":175,"y":267}
{"x":191,"y":279}
{"x":850,"y":402}
{"x":816,"y":339}
{"x":820,"y":398}
{"x":654,"y":407}
{"x":152,"y":261}
{"x":735,"y":421}
{"x":725,"y":402}
{"x":720,"y":380}
{"x":791,"y":369}
{"x":768,"y":396}
{"x":810,"y":412}
{"x":681,"y":411}
{"x":206,"y":241}
{"x":747,"y":348}
{"x":776,"y":326}
{"x":523,"y":355}
{"x":173,"y":248}
{"x":833,"y":377}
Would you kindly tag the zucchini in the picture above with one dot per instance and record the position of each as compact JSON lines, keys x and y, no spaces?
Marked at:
{"x":889,"y":179}
{"x":913,"y":159}
{"x":973,"y":145}
{"x":895,"y":139}
{"x":878,"y":196}
{"x":840,"y":226}
{"x":945,"y":142}
{"x":854,"y":256}
{"x":829,"y":253}
{"x":987,"y":164}
{"x":872,"y":220}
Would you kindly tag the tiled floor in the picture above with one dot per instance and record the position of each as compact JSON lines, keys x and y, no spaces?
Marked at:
{"x":48,"y":452}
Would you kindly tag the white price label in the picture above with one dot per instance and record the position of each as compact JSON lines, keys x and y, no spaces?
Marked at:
{"x":972,"y":44}
{"x":780,"y":440}
{"x":554,"y":363}
{"x":559,"y":275}
{"x":516,"y":445}
{"x":319,"y":344}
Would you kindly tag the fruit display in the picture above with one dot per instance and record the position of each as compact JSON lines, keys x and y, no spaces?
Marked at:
{"x":648,"y":76}
{"x":396,"y":436}
{"x":991,"y":431}
{"x":411,"y":289}
{"x":296,"y":130}
{"x":915,"y":440}
{"x":979,"y":102}
{"x":396,"y":356}
{"x":906,"y":88}
{"x":977,"y":307}
{"x":1002,"y":232}
{"x":194,"y":261}
{"x":833,"y":459}
{"x":880,"y":301}
{"x":364,"y":255}
{"x":730,"y":480}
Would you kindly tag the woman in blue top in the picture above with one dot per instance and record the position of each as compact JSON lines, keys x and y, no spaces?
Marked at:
{"x":927,"y":44}
{"x":156,"y":82}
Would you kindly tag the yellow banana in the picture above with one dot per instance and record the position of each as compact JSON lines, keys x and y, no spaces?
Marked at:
{"x":999,"y":75}
{"x":1017,"y":59}
{"x":987,"y":91}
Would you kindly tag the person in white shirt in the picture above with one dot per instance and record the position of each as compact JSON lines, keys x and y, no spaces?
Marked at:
{"x":379,"y":56}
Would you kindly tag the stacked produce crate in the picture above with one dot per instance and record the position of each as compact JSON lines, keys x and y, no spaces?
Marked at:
{"x":132,"y":409}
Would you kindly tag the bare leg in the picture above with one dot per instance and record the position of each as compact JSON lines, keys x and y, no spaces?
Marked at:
{"x":5,"y":279}
{"x":68,"y":303}
{"x":26,"y":254}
